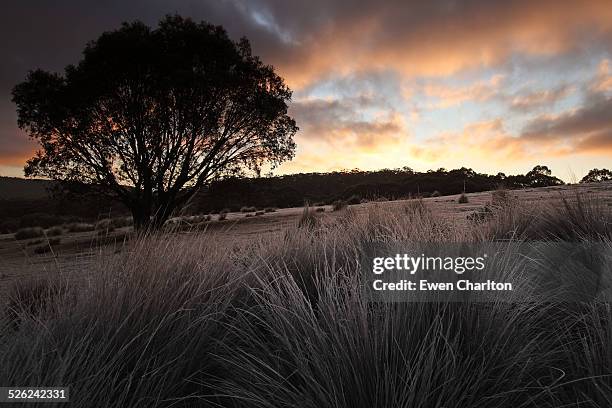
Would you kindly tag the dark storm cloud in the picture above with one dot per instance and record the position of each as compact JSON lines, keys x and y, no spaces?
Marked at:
{"x":52,"y":34}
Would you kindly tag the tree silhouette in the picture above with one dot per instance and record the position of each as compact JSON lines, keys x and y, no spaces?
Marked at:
{"x":152,"y":115}
{"x":541,"y":176}
{"x":597,"y":175}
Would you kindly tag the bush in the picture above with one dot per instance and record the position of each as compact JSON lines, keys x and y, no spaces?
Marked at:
{"x":308,"y":219}
{"x":79,"y":227}
{"x":248,"y":209}
{"x":248,"y":215}
{"x":259,"y":212}
{"x":110,"y":224}
{"x":43,"y":220}
{"x":270,"y":209}
{"x":463,"y":199}
{"x":222,"y":216}
{"x":339,"y":205}
{"x":436,"y":193}
{"x":43,"y":249}
{"x":27,"y":233}
{"x":320,"y":209}
{"x":9,"y":226}
{"x":104,"y":232}
{"x":500,"y":198}
{"x":354,"y":199}
{"x":54,"y":231}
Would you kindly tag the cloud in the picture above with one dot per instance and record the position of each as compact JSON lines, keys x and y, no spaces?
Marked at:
{"x":430,"y":38}
{"x":349,"y":61}
{"x":603,"y":80}
{"x":341,"y":123}
{"x":527,"y":100}
{"x":584,"y":129}
{"x":479,"y":91}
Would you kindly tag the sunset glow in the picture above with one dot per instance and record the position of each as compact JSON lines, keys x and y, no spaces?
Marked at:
{"x":495,"y":86}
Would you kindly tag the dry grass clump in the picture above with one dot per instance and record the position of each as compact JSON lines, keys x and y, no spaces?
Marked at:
{"x":339,"y":205}
{"x":33,"y":298}
{"x":308,"y":219}
{"x":80,"y":227}
{"x":54,"y":231}
{"x":110,"y":224}
{"x":28,"y":233}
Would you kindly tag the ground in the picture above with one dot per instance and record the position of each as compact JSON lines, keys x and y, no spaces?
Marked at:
{"x":19,"y":260}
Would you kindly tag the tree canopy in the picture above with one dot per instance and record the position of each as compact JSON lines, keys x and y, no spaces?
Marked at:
{"x":597,"y":175}
{"x":151,"y":115}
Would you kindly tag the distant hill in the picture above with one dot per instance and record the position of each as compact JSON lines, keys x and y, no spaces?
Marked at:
{"x":29,"y":202}
{"x":13,"y":188}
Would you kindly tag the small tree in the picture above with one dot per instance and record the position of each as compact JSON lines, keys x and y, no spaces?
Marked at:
{"x":151,"y":115}
{"x":541,"y":176}
{"x":597,"y":175}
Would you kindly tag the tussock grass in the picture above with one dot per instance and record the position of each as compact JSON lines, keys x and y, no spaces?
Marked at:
{"x":177,"y":320}
{"x":28,"y":233}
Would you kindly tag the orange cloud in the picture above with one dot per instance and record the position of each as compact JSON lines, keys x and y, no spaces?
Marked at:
{"x":430,"y":39}
{"x":450,"y":96}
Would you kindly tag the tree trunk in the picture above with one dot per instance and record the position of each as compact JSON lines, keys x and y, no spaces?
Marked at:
{"x":142,"y":218}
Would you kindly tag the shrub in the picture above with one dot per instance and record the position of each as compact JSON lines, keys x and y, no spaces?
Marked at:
{"x":43,"y":220}
{"x":415,"y":207}
{"x":436,"y":193}
{"x":103,"y":232}
{"x":27,"y":233}
{"x":54,"y":231}
{"x":9,"y":226}
{"x":339,"y":205}
{"x":111,"y":223}
{"x":248,"y":209}
{"x":259,"y":212}
{"x":208,"y":217}
{"x":308,"y":219}
{"x":463,"y":199}
{"x":320,"y":209}
{"x":79,"y":227}
{"x":270,"y":209}
{"x":222,"y":216}
{"x":43,"y":249}
{"x":500,"y":198}
{"x":354,"y":199}
{"x":248,"y":215}
{"x":35,"y":242}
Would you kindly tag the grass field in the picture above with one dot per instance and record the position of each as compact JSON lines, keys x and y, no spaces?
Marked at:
{"x":267,"y":311}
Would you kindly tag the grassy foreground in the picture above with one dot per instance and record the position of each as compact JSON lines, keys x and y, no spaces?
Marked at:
{"x":180,"y":321}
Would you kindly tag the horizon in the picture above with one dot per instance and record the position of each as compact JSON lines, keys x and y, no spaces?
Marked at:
{"x":491,"y":86}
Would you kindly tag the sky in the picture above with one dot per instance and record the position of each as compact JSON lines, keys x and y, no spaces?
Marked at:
{"x":497,"y":86}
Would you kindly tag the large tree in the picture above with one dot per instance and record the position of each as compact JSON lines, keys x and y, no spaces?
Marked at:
{"x":151,"y":115}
